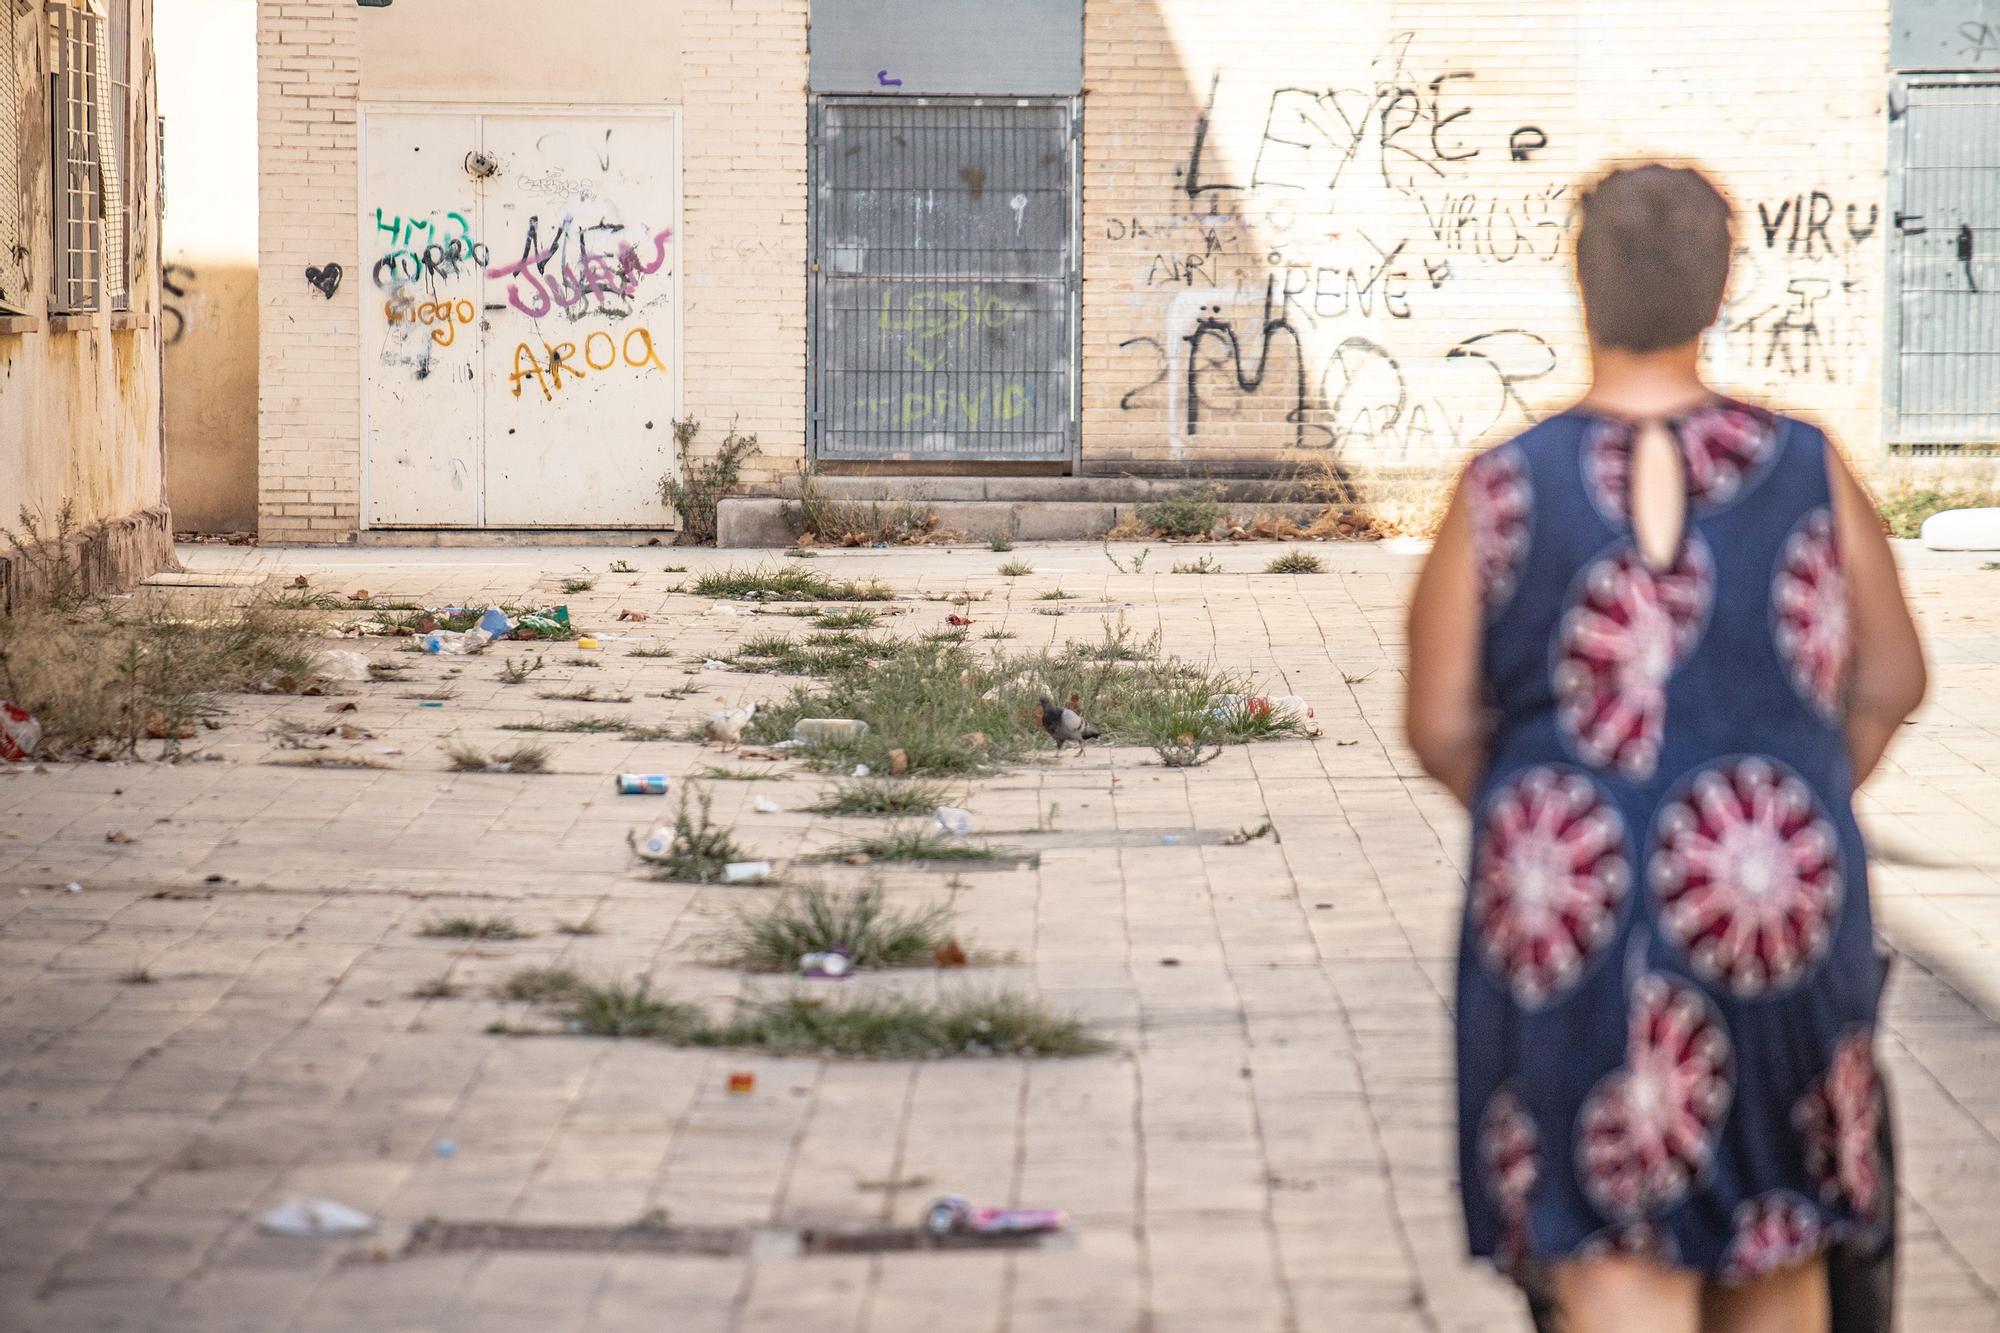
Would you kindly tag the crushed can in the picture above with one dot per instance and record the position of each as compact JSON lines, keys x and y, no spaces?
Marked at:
{"x":642,"y":784}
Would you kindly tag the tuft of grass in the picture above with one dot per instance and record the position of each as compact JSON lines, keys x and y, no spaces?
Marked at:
{"x":49,"y":570}
{"x":817,"y":920}
{"x":437,"y":988}
{"x":800,"y":553}
{"x":521,"y":759}
{"x":632,"y":1011}
{"x":1192,"y":514}
{"x":704,"y":481}
{"x":578,"y":585}
{"x":1205,"y":565}
{"x":105,"y":679}
{"x":999,"y":544}
{"x":587,"y":695}
{"x":584,"y":927}
{"x":717,"y":773}
{"x":1056,"y":595}
{"x":893,"y":797}
{"x":820,"y":655}
{"x":649,"y":652}
{"x":541,"y":985}
{"x":788,"y":585}
{"x":138,"y":976}
{"x":701,"y":847}
{"x":437,"y":696}
{"x":1014,"y":569}
{"x":584,"y":725}
{"x":1296,"y":562}
{"x":474,"y":928}
{"x":623,"y":567}
{"x":854,"y":618}
{"x":1137,"y":564}
{"x":897,"y":1027}
{"x":830,"y":522}
{"x":517,"y":673}
{"x":913,"y":843}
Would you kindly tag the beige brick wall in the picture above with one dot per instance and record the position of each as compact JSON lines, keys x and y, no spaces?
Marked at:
{"x":309,"y":388}
{"x":739,"y":69}
{"x":1369,"y":261}
{"x":744,"y":174}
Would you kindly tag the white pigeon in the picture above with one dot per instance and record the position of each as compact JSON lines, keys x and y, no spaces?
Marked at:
{"x":725,"y":726}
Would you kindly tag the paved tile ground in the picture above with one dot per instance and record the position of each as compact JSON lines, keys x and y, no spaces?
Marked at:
{"x":1269,"y":1148}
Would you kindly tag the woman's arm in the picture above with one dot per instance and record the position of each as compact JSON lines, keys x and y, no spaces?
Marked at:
{"x":1886,"y":678}
{"x":1444,"y":714}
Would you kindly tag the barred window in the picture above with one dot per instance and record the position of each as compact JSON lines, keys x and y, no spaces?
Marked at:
{"x":13,"y":207}
{"x":78,"y":212}
{"x":114,"y":146}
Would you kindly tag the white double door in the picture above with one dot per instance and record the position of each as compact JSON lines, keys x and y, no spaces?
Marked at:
{"x":519,"y":319}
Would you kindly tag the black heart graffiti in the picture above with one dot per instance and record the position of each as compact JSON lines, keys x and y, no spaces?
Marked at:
{"x":326,"y":279}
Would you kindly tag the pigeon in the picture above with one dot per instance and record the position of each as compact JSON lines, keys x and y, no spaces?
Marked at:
{"x":725,"y":727}
{"x":1065,"y":725}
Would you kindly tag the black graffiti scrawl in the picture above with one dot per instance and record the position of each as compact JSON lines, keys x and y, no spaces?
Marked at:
{"x":326,"y":279}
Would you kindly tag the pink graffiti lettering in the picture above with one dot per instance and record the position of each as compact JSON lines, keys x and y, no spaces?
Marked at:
{"x":599,"y":281}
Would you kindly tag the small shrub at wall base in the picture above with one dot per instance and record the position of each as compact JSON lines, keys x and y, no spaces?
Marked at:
{"x":704,"y":481}
{"x":1192,"y":514}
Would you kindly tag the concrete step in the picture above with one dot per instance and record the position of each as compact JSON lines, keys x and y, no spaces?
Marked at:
{"x":761,"y":522}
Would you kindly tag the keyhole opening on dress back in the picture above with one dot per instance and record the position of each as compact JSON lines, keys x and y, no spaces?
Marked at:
{"x":1658,"y":501}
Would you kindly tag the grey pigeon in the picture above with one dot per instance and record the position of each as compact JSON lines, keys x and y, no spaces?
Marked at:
{"x":1066,"y":725}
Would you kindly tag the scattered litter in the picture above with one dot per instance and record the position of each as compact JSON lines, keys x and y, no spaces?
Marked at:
{"x":958,"y":620}
{"x":832,"y":964}
{"x":657,"y":845}
{"x":642,"y":784}
{"x":746,"y":872}
{"x":120,"y":838}
{"x":445,"y":1148}
{"x":1170,"y":962}
{"x":742,"y":1084}
{"x":315,"y":1217}
{"x":72,"y":887}
{"x":1170,"y":839}
{"x":635,"y":616}
{"x":949,"y":954}
{"x":452,"y":643}
{"x":587,"y":645}
{"x":338,"y":664}
{"x":953,"y":820}
{"x":712,"y":665}
{"x":860,"y":771}
{"x":954,"y":1215}
{"x":1962,"y":530}
{"x":495,"y":624}
{"x":348,"y":706}
{"x":430,"y":703}
{"x":1248,"y":835}
{"x":20,"y":733}
{"x":764,"y":805}
{"x":300,"y":581}
{"x":358,"y":595}
{"x":829,"y":728}
{"x":899,"y":762}
{"x":537,"y":623}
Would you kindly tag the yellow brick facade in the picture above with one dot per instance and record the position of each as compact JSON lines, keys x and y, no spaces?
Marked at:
{"x":1341,"y":232}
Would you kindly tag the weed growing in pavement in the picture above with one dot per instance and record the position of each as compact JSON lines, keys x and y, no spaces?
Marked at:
{"x":705,"y":479}
{"x":587,"y":695}
{"x":1205,"y":565}
{"x":584,"y":927}
{"x":631,"y":1011}
{"x":1191,"y":514}
{"x":138,"y":976}
{"x":912,"y":843}
{"x":856,"y":618}
{"x":541,"y":985}
{"x":1015,"y":569}
{"x":800,"y":553}
{"x":1296,"y":562}
{"x":882,"y":796}
{"x":437,"y":988}
{"x":717,"y":773}
{"x":474,"y":928}
{"x":1349,"y":678}
{"x":590,"y":662}
{"x":1137,"y":564}
{"x":649,"y":652}
{"x":1056,"y":595}
{"x":438,"y":696}
{"x":579,"y":725}
{"x":788,"y":585}
{"x":819,"y":655}
{"x":999,"y":544}
{"x":521,"y":759}
{"x":816,"y":920}
{"x":819,"y":517}
{"x":701,"y":847}
{"x":49,"y":570}
{"x":623,"y":567}
{"x":896,"y":1027}
{"x":104,"y":679}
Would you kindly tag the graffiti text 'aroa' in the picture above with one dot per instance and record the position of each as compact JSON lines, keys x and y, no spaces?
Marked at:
{"x":442,"y":318}
{"x":595,"y":276}
{"x":560,"y":359}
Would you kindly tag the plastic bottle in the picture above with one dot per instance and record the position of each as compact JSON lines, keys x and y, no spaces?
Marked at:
{"x":829,"y":728}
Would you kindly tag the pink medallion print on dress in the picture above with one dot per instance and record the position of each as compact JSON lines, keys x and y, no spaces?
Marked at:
{"x":1841,"y":1118}
{"x":1772,"y":1231}
{"x":1746,"y":867}
{"x":1502,"y":514}
{"x":1508,"y":1146}
{"x":1553,"y":874}
{"x":1724,"y":447}
{"x":1647,"y":1131}
{"x":1810,"y":615}
{"x":1640,"y":1240}
{"x":1625,"y":632}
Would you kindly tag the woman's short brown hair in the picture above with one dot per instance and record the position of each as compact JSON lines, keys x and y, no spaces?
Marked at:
{"x":1652,"y":256}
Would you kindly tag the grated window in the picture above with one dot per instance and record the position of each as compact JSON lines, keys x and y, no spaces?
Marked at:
{"x":73,"y":145}
{"x":13,"y":208}
{"x":113,"y":66}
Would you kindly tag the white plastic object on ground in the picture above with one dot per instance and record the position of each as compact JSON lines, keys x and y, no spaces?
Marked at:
{"x":953,"y":820}
{"x":20,"y":733}
{"x":764,"y":805}
{"x":860,"y":771}
{"x":339,"y":664}
{"x":1962,"y":530}
{"x":829,"y":728}
{"x":746,"y":872}
{"x":315,"y":1217}
{"x":657,"y":845}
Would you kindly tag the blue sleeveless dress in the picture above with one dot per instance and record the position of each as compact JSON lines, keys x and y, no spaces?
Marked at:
{"x":1667,"y":984}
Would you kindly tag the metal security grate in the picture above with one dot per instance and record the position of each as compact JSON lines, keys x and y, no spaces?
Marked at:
{"x":1947,"y":264}
{"x":78,"y":211}
{"x":944,"y":292}
{"x":13,"y":209}
{"x":113,"y":66}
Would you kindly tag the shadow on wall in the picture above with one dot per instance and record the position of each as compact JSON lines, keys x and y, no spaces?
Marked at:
{"x":209,"y":414}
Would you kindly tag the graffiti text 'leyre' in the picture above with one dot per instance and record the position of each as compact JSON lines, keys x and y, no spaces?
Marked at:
{"x":560,"y":359}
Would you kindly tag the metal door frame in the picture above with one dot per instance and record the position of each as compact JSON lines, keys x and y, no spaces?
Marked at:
{"x":1893,"y":440}
{"x":1072,"y":281}
{"x":480,"y":109}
